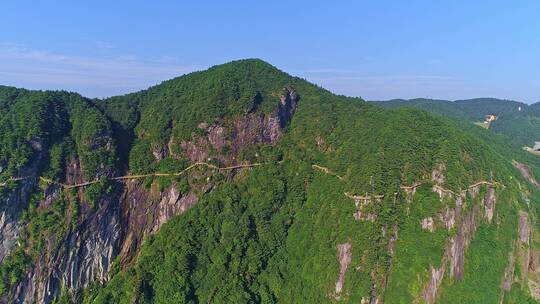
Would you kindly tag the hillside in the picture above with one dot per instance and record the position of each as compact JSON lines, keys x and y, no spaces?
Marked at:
{"x":243,"y":184}
{"x":516,"y":120}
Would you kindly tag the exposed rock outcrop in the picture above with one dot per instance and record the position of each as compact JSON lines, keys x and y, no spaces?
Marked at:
{"x":529,"y":256}
{"x":437,"y":175}
{"x":428,"y":224}
{"x":438,"y":178}
{"x":226,"y":140}
{"x":118,"y":223}
{"x":474,"y":191}
{"x":344,"y":258}
{"x":454,"y":254}
{"x":392,"y":241}
{"x":525,"y":171}
{"x":85,"y":255}
{"x":508,"y":277}
{"x":409,"y":192}
{"x":159,"y":153}
{"x":435,"y":280}
{"x":362,"y":204}
{"x":287,"y":106}
{"x":143,"y":212}
{"x":524,"y":228}
{"x":449,"y":216}
{"x":489,"y":204}
{"x":460,"y":243}
{"x":9,"y":216}
{"x":14,"y":203}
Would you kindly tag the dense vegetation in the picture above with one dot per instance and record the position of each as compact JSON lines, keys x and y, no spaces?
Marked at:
{"x":41,"y":133}
{"x":518,"y":121}
{"x":289,"y":217}
{"x":52,"y":126}
{"x":270,"y":234}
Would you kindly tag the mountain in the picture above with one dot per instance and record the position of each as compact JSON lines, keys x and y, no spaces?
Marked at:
{"x":518,"y":121}
{"x":243,"y":184}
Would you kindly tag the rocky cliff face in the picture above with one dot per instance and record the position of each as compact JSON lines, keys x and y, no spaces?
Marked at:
{"x":528,"y":255}
{"x":242,"y":133}
{"x":143,"y":212}
{"x":344,"y":258}
{"x":15,"y":202}
{"x":84,"y":255}
{"x":118,"y":223}
{"x":453,"y":259}
{"x":466,"y":221}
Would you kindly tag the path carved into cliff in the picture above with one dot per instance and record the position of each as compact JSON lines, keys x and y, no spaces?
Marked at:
{"x":197,"y":164}
{"x":127,"y":177}
{"x":12,"y":179}
{"x":327,"y":171}
{"x":405,"y":187}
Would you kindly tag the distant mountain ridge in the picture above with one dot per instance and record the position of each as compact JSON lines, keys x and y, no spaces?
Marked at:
{"x":517,"y":120}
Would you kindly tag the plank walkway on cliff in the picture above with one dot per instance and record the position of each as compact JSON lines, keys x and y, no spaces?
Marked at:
{"x":404,"y":187}
{"x":127,"y":177}
{"x":12,"y":179}
{"x":198,"y":164}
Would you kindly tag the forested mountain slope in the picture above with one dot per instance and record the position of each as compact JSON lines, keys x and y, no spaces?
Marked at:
{"x":242,"y":184}
{"x":518,"y":121}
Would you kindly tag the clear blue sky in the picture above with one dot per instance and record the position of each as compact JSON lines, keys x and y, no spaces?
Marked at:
{"x":373,"y":49}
